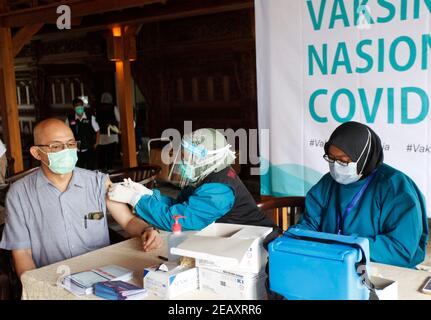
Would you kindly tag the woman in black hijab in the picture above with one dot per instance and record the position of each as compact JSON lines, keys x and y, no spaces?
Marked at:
{"x":360,"y":143}
{"x":364,"y":196}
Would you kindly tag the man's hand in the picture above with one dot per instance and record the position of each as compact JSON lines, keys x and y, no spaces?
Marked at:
{"x":151,"y":240}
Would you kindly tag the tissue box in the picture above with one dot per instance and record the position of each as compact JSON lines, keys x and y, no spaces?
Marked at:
{"x":169,"y":284}
{"x":385,"y":289}
{"x":233,"y":286}
{"x":229,"y":247}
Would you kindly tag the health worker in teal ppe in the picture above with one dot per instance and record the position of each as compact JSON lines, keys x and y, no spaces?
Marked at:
{"x":211,"y":190}
{"x":364,"y":196}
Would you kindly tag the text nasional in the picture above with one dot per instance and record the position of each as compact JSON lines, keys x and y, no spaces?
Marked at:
{"x":399,"y":53}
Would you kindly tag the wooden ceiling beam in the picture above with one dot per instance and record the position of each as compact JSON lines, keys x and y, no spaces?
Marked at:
{"x":170,"y":11}
{"x":23,"y":36}
{"x":79,"y":8}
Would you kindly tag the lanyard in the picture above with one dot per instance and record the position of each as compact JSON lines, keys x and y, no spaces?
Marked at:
{"x":352,"y":203}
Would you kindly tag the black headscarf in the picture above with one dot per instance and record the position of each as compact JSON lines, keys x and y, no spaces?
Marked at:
{"x":351,"y":137}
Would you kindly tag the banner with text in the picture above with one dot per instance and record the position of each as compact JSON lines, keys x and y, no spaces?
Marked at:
{"x":324,"y":62}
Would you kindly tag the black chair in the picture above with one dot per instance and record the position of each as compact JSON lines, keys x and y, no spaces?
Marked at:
{"x":143,"y":174}
{"x":10,"y":285}
{"x":11,"y":179}
{"x":284,"y":211}
{"x":19,"y":175}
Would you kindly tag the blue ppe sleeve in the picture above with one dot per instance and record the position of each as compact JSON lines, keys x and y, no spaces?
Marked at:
{"x":403,"y":218}
{"x":205,"y":205}
{"x":165,"y":199}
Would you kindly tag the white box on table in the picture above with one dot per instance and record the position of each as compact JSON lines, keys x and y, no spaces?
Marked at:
{"x":240,"y":286}
{"x":172,"y":283}
{"x":229,"y":247}
{"x":385,"y":289}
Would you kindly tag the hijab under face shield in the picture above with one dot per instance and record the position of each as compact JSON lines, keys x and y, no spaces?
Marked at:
{"x":192,"y":163}
{"x":360,"y":143}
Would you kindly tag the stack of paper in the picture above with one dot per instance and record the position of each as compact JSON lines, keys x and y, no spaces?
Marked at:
{"x":83,"y":282}
{"x":119,"y":290}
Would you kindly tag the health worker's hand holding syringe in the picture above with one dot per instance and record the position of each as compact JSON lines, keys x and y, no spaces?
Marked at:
{"x":128,"y":191}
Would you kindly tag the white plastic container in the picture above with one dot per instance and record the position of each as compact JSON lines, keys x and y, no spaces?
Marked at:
{"x":175,"y":238}
{"x":229,"y":247}
{"x":173,"y":241}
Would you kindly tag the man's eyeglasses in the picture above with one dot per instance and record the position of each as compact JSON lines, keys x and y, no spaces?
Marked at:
{"x":328,"y":158}
{"x":58,"y":146}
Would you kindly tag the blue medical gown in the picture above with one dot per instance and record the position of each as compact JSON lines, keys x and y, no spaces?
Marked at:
{"x":201,"y":206}
{"x":391,"y":214}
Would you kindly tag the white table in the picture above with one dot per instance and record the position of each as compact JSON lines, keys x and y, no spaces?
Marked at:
{"x":42,"y":283}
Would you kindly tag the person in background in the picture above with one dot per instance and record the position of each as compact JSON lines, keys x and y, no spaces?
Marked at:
{"x":362,"y":195}
{"x":86,"y":131}
{"x":108,"y":119}
{"x":212,"y":191}
{"x":3,"y":163}
{"x":60,"y":211}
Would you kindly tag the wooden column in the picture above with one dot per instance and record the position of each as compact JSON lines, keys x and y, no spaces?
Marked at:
{"x":124,"y":83}
{"x":8,"y":99}
{"x":122,"y":50}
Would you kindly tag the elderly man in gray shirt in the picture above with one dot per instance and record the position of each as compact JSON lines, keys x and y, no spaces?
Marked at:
{"x":59,"y":211}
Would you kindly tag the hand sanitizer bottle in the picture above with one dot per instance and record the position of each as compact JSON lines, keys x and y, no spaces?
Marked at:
{"x":175,"y":238}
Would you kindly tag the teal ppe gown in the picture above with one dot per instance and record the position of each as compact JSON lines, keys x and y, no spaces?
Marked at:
{"x":200,"y":207}
{"x":391,"y":214}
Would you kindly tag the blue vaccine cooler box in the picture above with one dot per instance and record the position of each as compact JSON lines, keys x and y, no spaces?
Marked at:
{"x":318,"y":266}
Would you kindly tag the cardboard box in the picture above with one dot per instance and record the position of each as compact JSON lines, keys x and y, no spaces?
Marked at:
{"x":247,"y":286}
{"x":169,"y":284}
{"x":229,"y":247}
{"x":385,"y":289}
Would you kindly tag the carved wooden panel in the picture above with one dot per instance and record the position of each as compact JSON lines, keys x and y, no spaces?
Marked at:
{"x":205,"y":71}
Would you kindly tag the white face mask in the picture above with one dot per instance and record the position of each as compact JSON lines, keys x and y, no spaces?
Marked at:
{"x":349,"y":174}
{"x":344,"y":174}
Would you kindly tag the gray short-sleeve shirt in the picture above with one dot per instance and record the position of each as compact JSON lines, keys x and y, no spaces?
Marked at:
{"x":52,"y":224}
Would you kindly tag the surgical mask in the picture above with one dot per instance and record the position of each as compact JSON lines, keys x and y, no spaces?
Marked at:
{"x":344,"y":174}
{"x":349,"y":174}
{"x":79,"y":110}
{"x":62,"y":162}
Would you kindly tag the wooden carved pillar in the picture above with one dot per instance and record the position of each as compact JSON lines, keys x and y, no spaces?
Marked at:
{"x":8,"y":99}
{"x":122,"y":50}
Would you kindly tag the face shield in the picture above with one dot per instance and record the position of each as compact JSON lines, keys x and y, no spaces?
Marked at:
{"x":192,"y":162}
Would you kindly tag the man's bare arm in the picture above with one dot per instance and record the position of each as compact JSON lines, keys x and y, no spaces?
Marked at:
{"x":133,"y":225}
{"x":23,"y":261}
{"x":124,"y":217}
